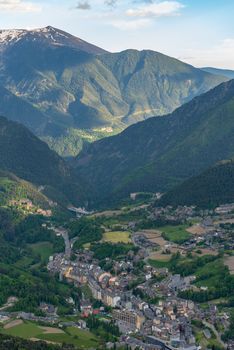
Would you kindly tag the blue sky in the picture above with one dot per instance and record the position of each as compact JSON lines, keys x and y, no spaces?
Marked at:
{"x":200,"y":32}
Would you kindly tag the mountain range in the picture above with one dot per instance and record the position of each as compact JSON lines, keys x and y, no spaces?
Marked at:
{"x":220,"y":72}
{"x":158,"y":154}
{"x":209,"y":189}
{"x":69,"y":92}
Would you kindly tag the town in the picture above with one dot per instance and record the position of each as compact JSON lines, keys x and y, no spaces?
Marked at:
{"x":144,"y":270}
{"x":143,"y":300}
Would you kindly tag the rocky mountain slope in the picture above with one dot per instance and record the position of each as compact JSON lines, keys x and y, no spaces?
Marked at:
{"x":75,"y":90}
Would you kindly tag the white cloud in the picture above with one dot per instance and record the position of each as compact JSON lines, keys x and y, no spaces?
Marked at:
{"x":159,"y":9}
{"x":220,"y":55}
{"x":18,"y":6}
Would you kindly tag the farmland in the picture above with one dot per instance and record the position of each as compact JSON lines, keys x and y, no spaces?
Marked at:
{"x":44,"y":249}
{"x":117,"y":237}
{"x":177,"y":234}
{"x":71,"y":335}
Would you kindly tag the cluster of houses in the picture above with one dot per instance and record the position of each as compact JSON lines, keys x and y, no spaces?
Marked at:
{"x":27,"y":206}
{"x":165,"y":324}
{"x":169,"y":320}
{"x":170,"y":214}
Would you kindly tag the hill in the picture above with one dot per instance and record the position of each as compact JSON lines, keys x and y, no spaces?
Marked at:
{"x":159,"y":153}
{"x":221,"y":72}
{"x":77,"y":92}
{"x":27,"y":157}
{"x":20,"y":110}
{"x":209,"y":189}
{"x":13,"y":189}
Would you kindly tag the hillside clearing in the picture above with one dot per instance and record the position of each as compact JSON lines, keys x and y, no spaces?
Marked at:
{"x":117,"y":237}
{"x":229,"y":262}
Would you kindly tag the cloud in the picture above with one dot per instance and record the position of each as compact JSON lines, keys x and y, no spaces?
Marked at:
{"x":83,"y":5}
{"x":220,"y":55}
{"x":110,"y":3}
{"x":158,"y":9}
{"x":18,"y":6}
{"x":129,"y":14}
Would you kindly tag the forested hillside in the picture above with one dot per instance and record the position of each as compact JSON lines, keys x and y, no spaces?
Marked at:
{"x":24,"y":155}
{"x":159,"y":153}
{"x":213,"y":187}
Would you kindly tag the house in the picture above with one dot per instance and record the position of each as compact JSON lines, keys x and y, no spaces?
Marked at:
{"x":109,"y":298}
{"x":48,"y":308}
{"x":86,"y":307}
{"x":132,"y":319}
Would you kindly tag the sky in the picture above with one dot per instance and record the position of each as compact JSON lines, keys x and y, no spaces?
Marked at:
{"x":199,"y":32}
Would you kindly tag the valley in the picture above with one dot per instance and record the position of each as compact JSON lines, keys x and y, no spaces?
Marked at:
{"x":116,"y":176}
{"x":134,"y":268}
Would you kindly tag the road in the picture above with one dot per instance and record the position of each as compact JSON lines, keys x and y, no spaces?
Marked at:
{"x":64,"y":233}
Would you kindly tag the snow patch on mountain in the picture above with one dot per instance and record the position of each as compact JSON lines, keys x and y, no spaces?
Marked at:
{"x":7,"y":36}
{"x":48,"y":35}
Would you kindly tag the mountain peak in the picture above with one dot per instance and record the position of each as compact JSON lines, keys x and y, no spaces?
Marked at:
{"x":47,"y":35}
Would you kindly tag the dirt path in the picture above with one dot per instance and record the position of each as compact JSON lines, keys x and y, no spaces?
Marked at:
{"x":229,"y":262}
{"x":46,"y":341}
{"x":13,"y":324}
{"x":196,"y":230}
{"x":52,"y":330}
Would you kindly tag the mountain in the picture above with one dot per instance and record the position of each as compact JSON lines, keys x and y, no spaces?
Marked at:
{"x":209,"y":189}
{"x":220,"y":72}
{"x":21,"y":110}
{"x":27,"y":157}
{"x":48,"y":36}
{"x":78,"y":93}
{"x":159,"y":153}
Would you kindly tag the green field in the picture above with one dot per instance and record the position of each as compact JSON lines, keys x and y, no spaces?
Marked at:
{"x":71,"y":335}
{"x":117,"y":237}
{"x":44,"y":249}
{"x":25,"y":330}
{"x":176,"y":234}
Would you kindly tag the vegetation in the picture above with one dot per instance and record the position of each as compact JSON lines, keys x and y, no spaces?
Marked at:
{"x":208,"y":269}
{"x":15,"y":343}
{"x":30,"y":159}
{"x":74,"y":140}
{"x":44,"y":249}
{"x":211,"y":188}
{"x":176,"y":234}
{"x":117,"y":237}
{"x":113,"y":251}
{"x":23,"y":272}
{"x":86,"y":230}
{"x":229,"y":333}
{"x":77,"y":337}
{"x":158,"y":165}
{"x":107,"y":331}
{"x":91,"y":91}
{"x":13,"y":189}
{"x":73,"y":336}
